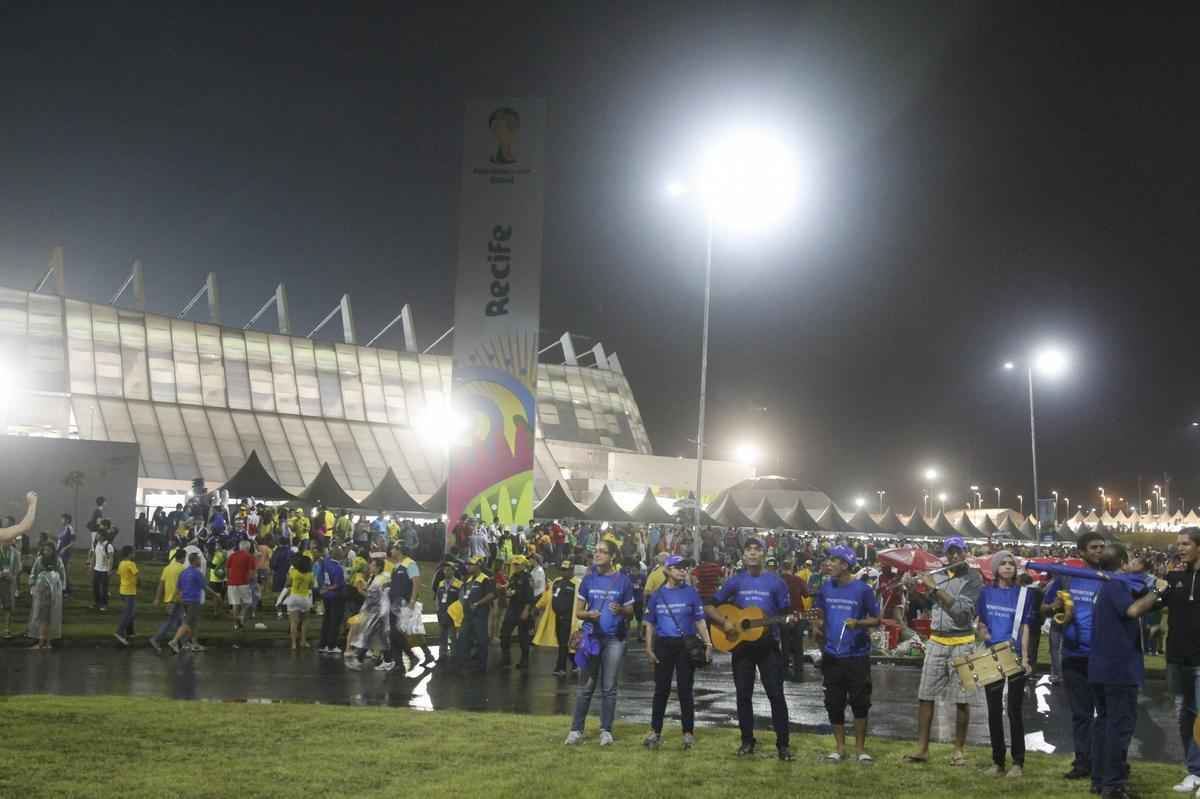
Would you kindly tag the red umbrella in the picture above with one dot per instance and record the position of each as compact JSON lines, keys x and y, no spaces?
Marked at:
{"x":908,"y":559}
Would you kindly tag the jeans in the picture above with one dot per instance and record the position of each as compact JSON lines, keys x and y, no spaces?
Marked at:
{"x":100,"y":588}
{"x":445,"y":626}
{"x":1082,"y":702}
{"x":174,"y":619}
{"x":995,"y":706}
{"x":673,"y":662}
{"x":793,"y":647}
{"x":331,"y":622}
{"x":474,"y":630}
{"x":1186,"y":680}
{"x":1112,"y":729}
{"x":603,"y":669}
{"x":768,"y":661}
{"x":1056,"y":653}
{"x":125,"y":625}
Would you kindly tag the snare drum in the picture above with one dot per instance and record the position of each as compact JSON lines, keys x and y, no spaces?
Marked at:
{"x":988,"y":666}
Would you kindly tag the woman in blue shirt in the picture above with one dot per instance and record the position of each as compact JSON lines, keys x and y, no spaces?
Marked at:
{"x":674,"y":612}
{"x":1005,"y":612}
{"x":604,"y":603}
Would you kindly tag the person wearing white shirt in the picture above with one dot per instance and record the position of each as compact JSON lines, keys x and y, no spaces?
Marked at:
{"x":537,"y":576}
{"x":102,"y":559}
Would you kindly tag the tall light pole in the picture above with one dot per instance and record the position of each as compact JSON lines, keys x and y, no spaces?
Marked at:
{"x":1067,"y":511}
{"x":931,"y":475}
{"x":1103,"y":499}
{"x":881,"y":494}
{"x":997,"y":489}
{"x":925,"y":501}
{"x":748,"y":179}
{"x":1055,"y":493}
{"x":1050,"y":362}
{"x":942,"y":501}
{"x":978,"y":499}
{"x":1021,"y":499}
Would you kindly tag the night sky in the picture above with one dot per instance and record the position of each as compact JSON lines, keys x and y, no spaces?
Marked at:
{"x":982,"y":179}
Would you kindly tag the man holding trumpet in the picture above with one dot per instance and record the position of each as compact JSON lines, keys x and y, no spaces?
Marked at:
{"x":951,"y":596}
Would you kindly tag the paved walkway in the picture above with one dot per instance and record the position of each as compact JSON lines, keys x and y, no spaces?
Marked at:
{"x":276,"y":675}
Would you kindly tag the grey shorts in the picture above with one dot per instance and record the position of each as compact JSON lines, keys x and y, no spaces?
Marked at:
{"x":191,"y":614}
{"x":939,"y":678}
{"x":6,"y":593}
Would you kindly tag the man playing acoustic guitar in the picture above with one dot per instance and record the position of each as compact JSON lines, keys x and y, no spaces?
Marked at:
{"x":755,"y":587}
{"x":847,"y":609}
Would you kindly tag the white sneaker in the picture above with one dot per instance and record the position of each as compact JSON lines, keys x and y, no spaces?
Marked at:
{"x":573,"y":738}
{"x":606,"y":738}
{"x":386,"y":665}
{"x":1190,"y":783}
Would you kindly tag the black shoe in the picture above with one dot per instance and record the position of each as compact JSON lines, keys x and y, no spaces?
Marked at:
{"x":785,"y":753}
{"x":1077,"y":772}
{"x":746,"y":749}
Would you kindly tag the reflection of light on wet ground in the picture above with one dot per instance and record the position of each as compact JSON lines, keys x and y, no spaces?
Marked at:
{"x":269,"y":675}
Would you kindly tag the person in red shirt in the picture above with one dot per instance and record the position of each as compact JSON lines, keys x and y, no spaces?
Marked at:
{"x":793,"y":634}
{"x":241,"y":571}
{"x":707,"y":577}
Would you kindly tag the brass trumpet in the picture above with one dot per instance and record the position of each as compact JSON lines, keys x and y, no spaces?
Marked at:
{"x":1064,"y":616}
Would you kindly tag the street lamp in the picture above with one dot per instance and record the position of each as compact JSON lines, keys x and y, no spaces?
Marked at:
{"x":1067,"y":501}
{"x":748,"y":454}
{"x":1021,"y":499}
{"x":859,"y":502}
{"x":881,"y":494}
{"x":925,"y":501}
{"x":942,"y":499}
{"x":747,"y":180}
{"x":1049,"y":362}
{"x":1055,"y":493}
{"x":978,"y":497}
{"x":931,"y":476}
{"x":997,"y":496}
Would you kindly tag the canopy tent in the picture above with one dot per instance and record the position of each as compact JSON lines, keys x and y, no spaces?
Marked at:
{"x":252,"y":480}
{"x":389,"y":495}
{"x":1064,"y":533}
{"x":889,"y":522}
{"x":1091,"y":520}
{"x":605,"y":509}
{"x":798,"y":518}
{"x":729,"y":514}
{"x":1028,"y":531}
{"x":1076,"y":520}
{"x":1191,"y":520}
{"x":557,"y":504}
{"x":967,"y":530}
{"x":1133,"y":519}
{"x":1104,"y":531}
{"x":437,"y":502}
{"x":1108,"y":520}
{"x":832,"y":521}
{"x":764,"y":516}
{"x":918,"y":527}
{"x":862,"y":522}
{"x":648,"y":511}
{"x":987,"y":527}
{"x":942,"y":528}
{"x":1177,"y":518}
{"x":1008,"y":531}
{"x":324,"y":490}
{"x":781,"y":492}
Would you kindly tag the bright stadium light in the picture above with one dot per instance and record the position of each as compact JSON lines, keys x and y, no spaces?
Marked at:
{"x":676,"y":188}
{"x":749,"y":180}
{"x":859,"y":502}
{"x":1009,"y":365}
{"x":931,"y":474}
{"x":1050,"y":362}
{"x":748,"y":454}
{"x":440,"y":425}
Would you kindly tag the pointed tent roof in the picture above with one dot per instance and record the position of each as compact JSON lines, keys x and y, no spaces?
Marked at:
{"x":437,"y":502}
{"x":1177,"y":518}
{"x":1064,"y":533}
{"x":1108,"y":520}
{"x":889,"y":522}
{"x":1028,"y":531}
{"x":966,"y":529}
{"x":987,"y":527}
{"x":324,"y":490}
{"x":390,"y":495}
{"x":942,"y":526}
{"x":1191,"y":520}
{"x":798,"y":518}
{"x":253,"y":480}
{"x":862,"y":522}
{"x":1008,"y":530}
{"x":764,"y":516}
{"x":729,"y":514}
{"x":605,"y":509}
{"x":918,"y":526}
{"x":1133,"y":518}
{"x":1104,"y":531}
{"x":557,"y":504}
{"x":1091,"y":520}
{"x":832,"y":521}
{"x":1076,"y":520}
{"x":648,"y":511}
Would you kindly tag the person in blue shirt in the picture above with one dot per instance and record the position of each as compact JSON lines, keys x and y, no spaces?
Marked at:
{"x":1005,"y":612}
{"x":332,"y":584}
{"x":192,"y":587}
{"x":1076,"y":646}
{"x":754,"y":587}
{"x":847,"y":609}
{"x":1115,"y":672}
{"x":604,"y":602}
{"x":674,"y":612}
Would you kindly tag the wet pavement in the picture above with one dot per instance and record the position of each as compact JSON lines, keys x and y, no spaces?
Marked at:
{"x":277,"y":675}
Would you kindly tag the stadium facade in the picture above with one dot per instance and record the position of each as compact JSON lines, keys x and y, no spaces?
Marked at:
{"x":198,"y":397}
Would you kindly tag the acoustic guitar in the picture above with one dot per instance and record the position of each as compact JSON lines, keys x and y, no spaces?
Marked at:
{"x":751,"y":624}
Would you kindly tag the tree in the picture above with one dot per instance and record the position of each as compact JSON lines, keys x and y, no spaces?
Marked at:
{"x":75,"y":480}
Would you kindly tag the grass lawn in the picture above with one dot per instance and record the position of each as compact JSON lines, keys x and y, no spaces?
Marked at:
{"x":152,"y":748}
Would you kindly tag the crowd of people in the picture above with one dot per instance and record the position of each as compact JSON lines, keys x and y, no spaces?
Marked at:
{"x":361,"y":578}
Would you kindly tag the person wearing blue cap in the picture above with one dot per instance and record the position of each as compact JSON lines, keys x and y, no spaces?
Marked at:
{"x":848,"y":609}
{"x":950,"y":599}
{"x":754,"y":587}
{"x":674,"y":613}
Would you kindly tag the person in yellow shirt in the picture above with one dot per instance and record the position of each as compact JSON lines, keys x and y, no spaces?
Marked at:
{"x":657,"y":576}
{"x":127,"y":571}
{"x":393,"y":530}
{"x":168,"y":593}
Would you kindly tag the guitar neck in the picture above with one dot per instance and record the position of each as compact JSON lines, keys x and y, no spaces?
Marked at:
{"x":767,"y":622}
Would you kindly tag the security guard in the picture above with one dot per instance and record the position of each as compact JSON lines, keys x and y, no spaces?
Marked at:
{"x":446,"y":588}
{"x":477,"y":594}
{"x":519,"y":614}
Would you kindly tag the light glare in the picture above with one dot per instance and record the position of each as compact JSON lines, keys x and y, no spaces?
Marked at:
{"x":750,"y":180}
{"x":1051,"y":362}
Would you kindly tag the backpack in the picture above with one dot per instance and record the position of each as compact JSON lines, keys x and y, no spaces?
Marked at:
{"x":562,"y":598}
{"x":400,"y":588}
